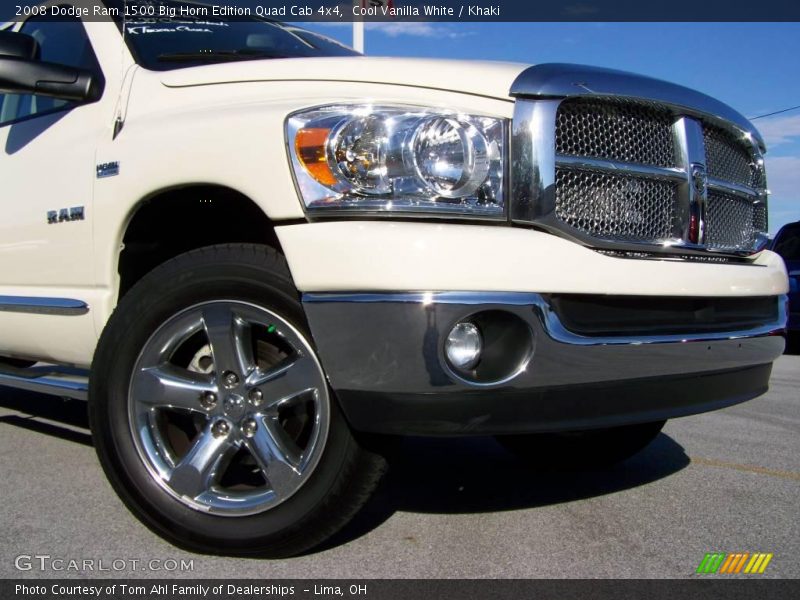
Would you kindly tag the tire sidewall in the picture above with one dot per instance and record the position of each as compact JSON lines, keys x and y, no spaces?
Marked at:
{"x":147,"y":306}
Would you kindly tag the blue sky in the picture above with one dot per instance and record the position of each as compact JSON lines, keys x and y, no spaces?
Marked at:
{"x":754,"y":67}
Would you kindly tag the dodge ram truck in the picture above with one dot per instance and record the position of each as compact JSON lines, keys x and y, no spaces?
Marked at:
{"x":255,"y":252}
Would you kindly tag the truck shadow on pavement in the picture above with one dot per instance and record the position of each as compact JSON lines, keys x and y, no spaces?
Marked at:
{"x":62,"y":416}
{"x":426,"y":475}
{"x":475,"y":475}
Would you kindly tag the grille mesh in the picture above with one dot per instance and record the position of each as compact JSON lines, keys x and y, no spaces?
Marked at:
{"x":733,"y":222}
{"x":729,"y":159}
{"x":618,"y":208}
{"x":760,"y":218}
{"x":623,"y":131}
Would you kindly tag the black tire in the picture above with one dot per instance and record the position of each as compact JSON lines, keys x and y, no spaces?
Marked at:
{"x":336,"y":488}
{"x":581,"y":449}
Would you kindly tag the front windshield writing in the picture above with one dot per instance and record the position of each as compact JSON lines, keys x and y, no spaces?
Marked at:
{"x":163,"y":43}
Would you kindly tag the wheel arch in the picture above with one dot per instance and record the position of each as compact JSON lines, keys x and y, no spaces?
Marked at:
{"x":170,"y":221}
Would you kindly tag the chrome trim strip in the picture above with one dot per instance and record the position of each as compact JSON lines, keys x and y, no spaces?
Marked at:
{"x":685,"y":207}
{"x":468,"y":298}
{"x":43,"y":306}
{"x":620,"y":168}
{"x":728,"y":187}
{"x":49,"y":384}
{"x":46,"y":385}
{"x":560,"y":80}
{"x":532,"y":173}
{"x":690,"y":147}
{"x":549,"y":319}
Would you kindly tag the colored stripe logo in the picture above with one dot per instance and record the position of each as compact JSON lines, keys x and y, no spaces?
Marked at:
{"x":723,"y":563}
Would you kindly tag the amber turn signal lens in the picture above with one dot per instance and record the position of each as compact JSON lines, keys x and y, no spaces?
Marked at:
{"x":310,"y":145}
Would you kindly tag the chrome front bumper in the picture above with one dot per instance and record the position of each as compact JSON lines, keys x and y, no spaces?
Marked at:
{"x":384,"y":356}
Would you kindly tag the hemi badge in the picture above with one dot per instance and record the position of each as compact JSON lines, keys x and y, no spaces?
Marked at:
{"x":108,"y":169}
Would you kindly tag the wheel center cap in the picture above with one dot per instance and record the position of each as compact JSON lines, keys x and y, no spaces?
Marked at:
{"x":233,"y":406}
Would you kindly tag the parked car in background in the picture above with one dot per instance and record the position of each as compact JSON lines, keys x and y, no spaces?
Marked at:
{"x":787,"y":244}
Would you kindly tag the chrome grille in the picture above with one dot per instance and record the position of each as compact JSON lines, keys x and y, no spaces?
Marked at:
{"x":728,"y":158}
{"x":631,"y":172}
{"x":732,"y":222}
{"x":615,"y":208}
{"x":625,"y":131}
{"x":760,"y":219}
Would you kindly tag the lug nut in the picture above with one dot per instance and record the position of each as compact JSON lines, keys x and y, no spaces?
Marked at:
{"x":256,"y":397}
{"x":208,"y":400}
{"x":220,"y":428}
{"x":249,"y":427}
{"x":230,"y":378}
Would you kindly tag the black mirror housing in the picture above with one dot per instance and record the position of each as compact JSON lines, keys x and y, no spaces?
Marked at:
{"x":21,"y":72}
{"x":18,"y":45}
{"x":25,"y":76}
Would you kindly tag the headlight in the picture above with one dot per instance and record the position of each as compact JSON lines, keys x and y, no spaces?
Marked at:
{"x":388,"y":158}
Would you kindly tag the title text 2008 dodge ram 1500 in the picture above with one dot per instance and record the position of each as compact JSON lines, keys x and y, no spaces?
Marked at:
{"x":249,"y":247}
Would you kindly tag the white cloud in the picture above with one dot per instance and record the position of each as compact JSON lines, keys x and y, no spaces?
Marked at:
{"x":416,"y":29}
{"x":783,"y":176}
{"x":780,"y":130}
{"x":409,"y":28}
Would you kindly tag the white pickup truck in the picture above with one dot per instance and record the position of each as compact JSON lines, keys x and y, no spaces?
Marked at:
{"x":252,"y":250}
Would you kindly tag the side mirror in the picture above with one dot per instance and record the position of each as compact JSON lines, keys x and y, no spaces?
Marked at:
{"x":18,"y":45}
{"x":22,"y":73}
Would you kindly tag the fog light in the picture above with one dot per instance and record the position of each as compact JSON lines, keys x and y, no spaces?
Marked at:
{"x":464,"y":346}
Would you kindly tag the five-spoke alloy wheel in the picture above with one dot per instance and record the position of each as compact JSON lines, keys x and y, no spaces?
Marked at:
{"x":211,"y":413}
{"x":242,"y":434}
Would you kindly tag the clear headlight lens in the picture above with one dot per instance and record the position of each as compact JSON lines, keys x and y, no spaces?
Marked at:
{"x":451,"y":157}
{"x":387,"y":158}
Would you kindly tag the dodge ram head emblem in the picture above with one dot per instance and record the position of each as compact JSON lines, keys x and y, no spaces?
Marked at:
{"x":699,"y":179}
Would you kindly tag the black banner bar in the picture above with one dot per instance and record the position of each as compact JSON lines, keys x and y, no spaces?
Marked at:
{"x":702,"y":588}
{"x":424,"y":10}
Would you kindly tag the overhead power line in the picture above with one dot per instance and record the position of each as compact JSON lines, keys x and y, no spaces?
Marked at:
{"x":777,"y":112}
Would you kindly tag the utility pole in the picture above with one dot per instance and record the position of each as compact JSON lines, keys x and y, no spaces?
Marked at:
{"x":358,"y":30}
{"x":358,"y":36}
{"x":358,"y":22}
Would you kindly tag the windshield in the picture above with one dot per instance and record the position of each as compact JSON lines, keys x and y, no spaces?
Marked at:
{"x":165,"y":43}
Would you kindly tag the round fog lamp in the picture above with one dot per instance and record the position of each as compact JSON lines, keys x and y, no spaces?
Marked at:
{"x":464,"y":346}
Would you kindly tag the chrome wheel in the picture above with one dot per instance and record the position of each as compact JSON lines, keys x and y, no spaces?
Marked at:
{"x":211,"y":415}
{"x":229,"y":408}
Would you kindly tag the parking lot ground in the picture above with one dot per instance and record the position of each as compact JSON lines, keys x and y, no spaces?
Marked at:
{"x":726,"y":481}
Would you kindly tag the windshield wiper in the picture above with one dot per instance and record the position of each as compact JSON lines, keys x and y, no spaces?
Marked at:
{"x":215,"y":55}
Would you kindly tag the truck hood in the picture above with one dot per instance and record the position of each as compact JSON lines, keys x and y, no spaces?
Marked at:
{"x":492,"y":79}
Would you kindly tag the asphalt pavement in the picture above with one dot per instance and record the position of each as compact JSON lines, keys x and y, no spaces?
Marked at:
{"x":727,"y":481}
